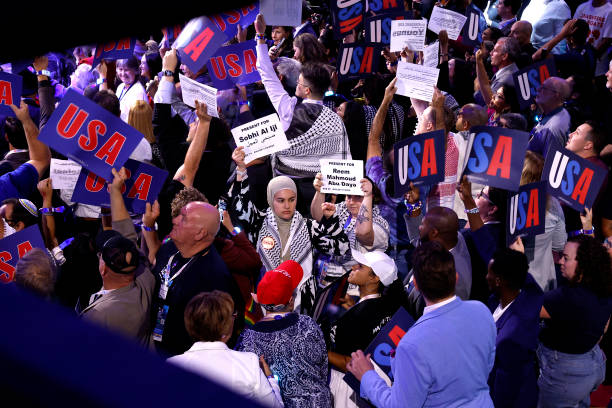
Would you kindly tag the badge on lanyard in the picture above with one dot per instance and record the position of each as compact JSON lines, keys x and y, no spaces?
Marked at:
{"x":160,"y":322}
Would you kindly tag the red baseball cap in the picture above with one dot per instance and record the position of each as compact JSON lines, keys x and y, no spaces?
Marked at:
{"x":277,"y":285}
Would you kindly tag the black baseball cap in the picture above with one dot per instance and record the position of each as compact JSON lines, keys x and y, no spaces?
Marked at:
{"x":119,"y":253}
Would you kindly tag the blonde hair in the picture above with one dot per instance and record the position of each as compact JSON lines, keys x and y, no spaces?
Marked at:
{"x":532,"y":168}
{"x":141,"y":119}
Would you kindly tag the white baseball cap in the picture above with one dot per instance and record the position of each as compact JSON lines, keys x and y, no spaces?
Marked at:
{"x":382,"y":265}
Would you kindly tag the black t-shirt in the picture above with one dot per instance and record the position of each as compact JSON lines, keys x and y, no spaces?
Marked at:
{"x":356,"y":329}
{"x":207,"y":272}
{"x":578,"y":319}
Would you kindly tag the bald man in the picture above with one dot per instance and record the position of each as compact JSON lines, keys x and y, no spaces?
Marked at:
{"x":521,"y":31}
{"x":556,"y":121}
{"x":441,"y":224}
{"x":185,"y":266}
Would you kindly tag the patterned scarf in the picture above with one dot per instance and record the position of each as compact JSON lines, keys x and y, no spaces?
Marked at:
{"x":300,"y":249}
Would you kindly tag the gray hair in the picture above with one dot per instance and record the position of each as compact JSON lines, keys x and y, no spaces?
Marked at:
{"x":85,"y":76}
{"x":289,"y":69}
{"x":36,"y":272}
{"x":511,"y":47}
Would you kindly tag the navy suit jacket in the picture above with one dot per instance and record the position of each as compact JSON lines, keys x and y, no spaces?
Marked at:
{"x":513,"y":380}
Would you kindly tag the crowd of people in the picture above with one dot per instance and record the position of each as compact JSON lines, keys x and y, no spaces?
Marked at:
{"x":248,"y":274}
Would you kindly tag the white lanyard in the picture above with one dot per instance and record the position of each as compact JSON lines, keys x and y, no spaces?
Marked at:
{"x":125,"y":90}
{"x":167,"y":282}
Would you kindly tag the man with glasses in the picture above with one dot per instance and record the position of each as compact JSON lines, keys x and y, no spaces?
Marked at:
{"x":555,"y":123}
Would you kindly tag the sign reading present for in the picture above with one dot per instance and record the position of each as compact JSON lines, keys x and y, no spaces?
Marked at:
{"x":408,"y":33}
{"x":384,"y":344}
{"x":281,"y":12}
{"x":341,"y":176}
{"x":89,"y":134}
{"x":443,"y":19}
{"x":234,"y":64}
{"x":470,"y":34}
{"x":261,"y":137}
{"x":14,"y":247}
{"x":573,"y":180}
{"x":419,"y":159}
{"x":142,"y":186}
{"x":496,"y":156}
{"x":347,"y":15}
{"x":64,"y":173}
{"x":526,"y":211}
{"x":378,"y":27}
{"x":199,"y":40}
{"x":529,"y":79}
{"x":114,"y":50}
{"x":357,"y":60}
{"x":416,"y":81}
{"x":228,"y":21}
{"x":193,"y":90}
{"x":10,"y":92}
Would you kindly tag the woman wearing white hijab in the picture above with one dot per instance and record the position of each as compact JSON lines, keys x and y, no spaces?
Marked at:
{"x":281,"y":233}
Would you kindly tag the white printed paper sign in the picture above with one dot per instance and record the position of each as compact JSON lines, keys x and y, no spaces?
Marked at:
{"x":416,"y":81}
{"x":281,"y":12}
{"x":342,"y":176}
{"x":64,"y":173}
{"x":408,"y":33}
{"x":193,"y":90}
{"x":442,"y":19}
{"x":261,"y":137}
{"x":431,"y":55}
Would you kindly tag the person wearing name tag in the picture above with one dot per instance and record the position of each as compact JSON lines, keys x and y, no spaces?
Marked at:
{"x":281,"y":233}
{"x":185,"y":266}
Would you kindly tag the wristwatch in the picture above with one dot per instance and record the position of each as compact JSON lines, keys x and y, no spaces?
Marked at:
{"x":168,"y":73}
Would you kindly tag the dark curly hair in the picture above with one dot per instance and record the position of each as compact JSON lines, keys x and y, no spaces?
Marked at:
{"x":593,"y":265}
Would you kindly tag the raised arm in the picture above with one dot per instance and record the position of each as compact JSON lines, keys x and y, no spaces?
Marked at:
{"x":374,"y":149}
{"x":328,"y":236}
{"x":364,"y":229}
{"x":318,"y":199}
{"x":568,"y":28}
{"x":45,"y":91}
{"x":186,"y":173}
{"x":40,"y":155}
{"x":483,"y":78}
{"x":148,"y":231}
{"x":282,"y":102}
{"x":120,"y":216}
{"x":48,"y":221}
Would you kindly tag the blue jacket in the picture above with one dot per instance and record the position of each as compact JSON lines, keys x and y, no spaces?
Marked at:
{"x":442,"y":361}
{"x":513,"y":380}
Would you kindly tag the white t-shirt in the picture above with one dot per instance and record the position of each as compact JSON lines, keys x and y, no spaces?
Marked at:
{"x":128,"y":97}
{"x":600,"y":24}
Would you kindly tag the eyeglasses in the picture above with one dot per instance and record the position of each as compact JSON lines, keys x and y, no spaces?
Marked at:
{"x":485,"y":195}
{"x":301,"y":84}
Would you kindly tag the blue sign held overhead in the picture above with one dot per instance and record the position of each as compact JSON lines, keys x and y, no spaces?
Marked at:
{"x":199,"y":40}
{"x":496,"y":157}
{"x":357,"y":60}
{"x":526,"y":211}
{"x":234,"y":64}
{"x":420,"y":160}
{"x":90,"y":135}
{"x":573,"y":180}
{"x":10,"y":92}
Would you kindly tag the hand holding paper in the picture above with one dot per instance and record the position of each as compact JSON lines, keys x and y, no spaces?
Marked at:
{"x":359,"y":364}
{"x":238,"y":157}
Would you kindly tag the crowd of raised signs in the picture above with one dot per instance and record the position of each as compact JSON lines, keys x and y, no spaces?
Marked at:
{"x":317,"y":204}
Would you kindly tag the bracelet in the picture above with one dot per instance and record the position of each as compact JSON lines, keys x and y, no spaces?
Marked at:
{"x":260,"y":36}
{"x":272,"y":377}
{"x":100,"y":81}
{"x":240,"y":103}
{"x":581,"y":232}
{"x":51,"y":210}
{"x":235,"y":231}
{"x":474,"y":210}
{"x":393,"y":64}
{"x":241,"y":173}
{"x":153,"y":228}
{"x":44,"y":72}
